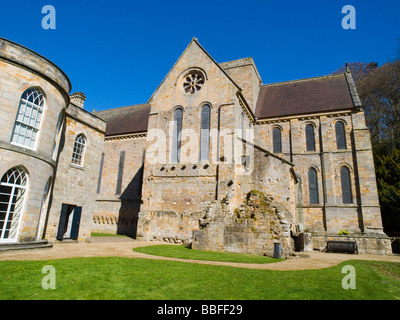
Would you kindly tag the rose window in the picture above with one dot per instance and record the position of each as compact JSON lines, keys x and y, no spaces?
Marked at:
{"x":193,"y":83}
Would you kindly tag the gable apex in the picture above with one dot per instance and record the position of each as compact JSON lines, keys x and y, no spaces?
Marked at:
{"x":194,"y":42}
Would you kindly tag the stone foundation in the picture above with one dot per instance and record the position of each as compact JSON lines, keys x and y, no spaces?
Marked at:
{"x":378,"y":244}
{"x":168,"y":226}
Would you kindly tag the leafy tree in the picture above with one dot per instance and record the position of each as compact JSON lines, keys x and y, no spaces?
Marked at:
{"x":388,"y":179}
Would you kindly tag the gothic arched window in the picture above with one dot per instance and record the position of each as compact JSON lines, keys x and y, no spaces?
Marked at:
{"x":340,"y":135}
{"x":277,"y":140}
{"x":29,"y":118}
{"x":346,"y":185}
{"x":313,"y":186}
{"x":310,"y":138}
{"x":176,"y":135}
{"x":205,"y":133}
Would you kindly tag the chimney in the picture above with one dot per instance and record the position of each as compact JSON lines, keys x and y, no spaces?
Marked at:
{"x":78,"y":99}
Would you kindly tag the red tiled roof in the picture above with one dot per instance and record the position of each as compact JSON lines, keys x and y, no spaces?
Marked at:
{"x":306,"y":96}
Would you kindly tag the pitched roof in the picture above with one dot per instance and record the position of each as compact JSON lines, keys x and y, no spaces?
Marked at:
{"x":125,"y":120}
{"x":313,"y":95}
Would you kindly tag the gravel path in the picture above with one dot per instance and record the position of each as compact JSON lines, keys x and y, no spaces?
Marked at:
{"x":122,"y":247}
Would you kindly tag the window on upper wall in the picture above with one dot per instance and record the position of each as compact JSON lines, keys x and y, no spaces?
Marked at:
{"x":346,"y":185}
{"x":277,"y":140}
{"x":340,"y":135}
{"x":176,"y":135}
{"x":29,"y":118}
{"x":205,"y":133}
{"x":79,"y":150}
{"x":313,"y":186}
{"x":310,"y":138}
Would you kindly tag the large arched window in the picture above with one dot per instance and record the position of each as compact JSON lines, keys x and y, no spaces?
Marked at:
{"x":205,"y":133}
{"x":176,"y":135}
{"x":310,"y":137}
{"x":13,"y":187}
{"x":340,"y":135}
{"x":79,"y":150}
{"x":313,"y":186}
{"x":346,"y":185}
{"x":277,"y":140}
{"x":29,"y":118}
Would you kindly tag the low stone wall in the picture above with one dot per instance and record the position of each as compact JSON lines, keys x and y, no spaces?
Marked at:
{"x":378,"y":244}
{"x":168,"y":226}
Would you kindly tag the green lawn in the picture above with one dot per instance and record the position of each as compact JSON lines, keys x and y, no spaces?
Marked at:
{"x":184,"y":252}
{"x":127,"y":278}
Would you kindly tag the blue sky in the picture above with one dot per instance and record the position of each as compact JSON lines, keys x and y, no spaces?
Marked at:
{"x":117,"y":52}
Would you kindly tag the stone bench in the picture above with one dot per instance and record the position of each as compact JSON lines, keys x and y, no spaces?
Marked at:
{"x":342,"y":247}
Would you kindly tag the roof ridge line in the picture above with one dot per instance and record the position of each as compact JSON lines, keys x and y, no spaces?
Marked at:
{"x":116,"y":108}
{"x":304,"y":79}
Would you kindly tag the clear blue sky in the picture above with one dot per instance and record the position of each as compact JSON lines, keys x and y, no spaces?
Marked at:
{"x":117,"y":52}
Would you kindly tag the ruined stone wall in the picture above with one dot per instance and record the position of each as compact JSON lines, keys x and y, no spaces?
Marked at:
{"x":253,"y":228}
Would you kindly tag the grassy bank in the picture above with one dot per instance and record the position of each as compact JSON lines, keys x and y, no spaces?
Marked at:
{"x":126,"y":278}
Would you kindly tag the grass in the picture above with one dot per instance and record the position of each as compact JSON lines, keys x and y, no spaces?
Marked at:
{"x":184,"y":252}
{"x":127,"y":278}
{"x":98,"y":234}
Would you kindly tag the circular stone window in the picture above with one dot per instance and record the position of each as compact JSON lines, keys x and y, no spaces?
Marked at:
{"x":193,"y":82}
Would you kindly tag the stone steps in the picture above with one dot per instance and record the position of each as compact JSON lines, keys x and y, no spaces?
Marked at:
{"x":40,"y":244}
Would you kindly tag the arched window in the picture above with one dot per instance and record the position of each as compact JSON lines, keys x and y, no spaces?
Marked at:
{"x":29,"y":118}
{"x":79,"y":150}
{"x":310,"y":137}
{"x":340,"y":135}
{"x":176,"y":135}
{"x":277,"y":140}
{"x":313,"y":186}
{"x":13,"y":187}
{"x":346,"y":185}
{"x":205,"y":133}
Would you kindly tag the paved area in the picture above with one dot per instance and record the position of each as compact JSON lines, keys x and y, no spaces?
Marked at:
{"x":122,"y":247}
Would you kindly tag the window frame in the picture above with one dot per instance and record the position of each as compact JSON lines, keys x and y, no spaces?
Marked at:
{"x":21,"y":197}
{"x":310,"y":138}
{"x":176,"y":136}
{"x":313,"y":192}
{"x":204,"y":150}
{"x":275,"y":148}
{"x":81,"y":152}
{"x":341,"y":143}
{"x":34,"y":128}
{"x":346,"y":191}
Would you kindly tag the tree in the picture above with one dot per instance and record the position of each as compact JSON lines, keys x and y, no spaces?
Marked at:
{"x":388,"y":180}
{"x":379,"y":91}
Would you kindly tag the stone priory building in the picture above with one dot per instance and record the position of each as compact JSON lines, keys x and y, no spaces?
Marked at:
{"x":215,"y":159}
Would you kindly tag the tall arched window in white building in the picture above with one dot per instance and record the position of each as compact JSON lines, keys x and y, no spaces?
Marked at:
{"x":29,"y":118}
{"x":13,"y":186}
{"x":79,"y":150}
